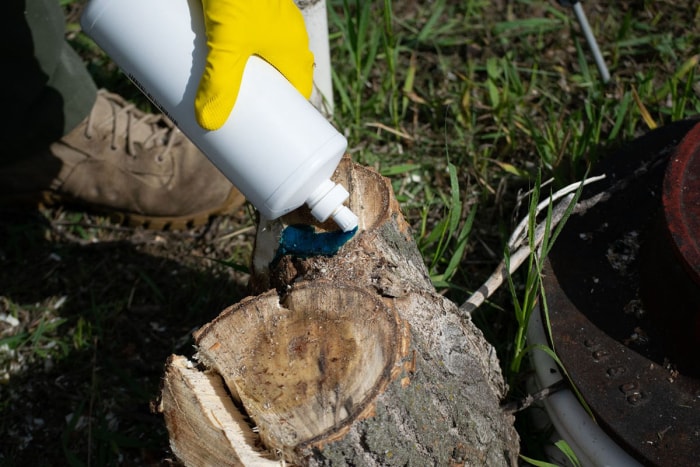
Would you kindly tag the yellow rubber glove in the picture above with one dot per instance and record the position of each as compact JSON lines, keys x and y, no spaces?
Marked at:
{"x":236,"y":29}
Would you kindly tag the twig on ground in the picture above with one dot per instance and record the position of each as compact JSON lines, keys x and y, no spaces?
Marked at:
{"x":527,"y":401}
{"x":519,"y":252}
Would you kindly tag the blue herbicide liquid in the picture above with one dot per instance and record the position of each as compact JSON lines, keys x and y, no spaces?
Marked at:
{"x":303,"y":241}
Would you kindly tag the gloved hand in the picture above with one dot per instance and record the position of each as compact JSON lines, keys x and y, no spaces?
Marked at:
{"x":237,"y":29}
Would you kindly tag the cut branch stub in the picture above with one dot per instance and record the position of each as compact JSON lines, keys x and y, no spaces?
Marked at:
{"x":318,"y":358}
{"x":307,"y":368}
{"x":371,"y":199}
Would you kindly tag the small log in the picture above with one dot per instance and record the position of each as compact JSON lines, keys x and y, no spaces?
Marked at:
{"x":350,"y":359}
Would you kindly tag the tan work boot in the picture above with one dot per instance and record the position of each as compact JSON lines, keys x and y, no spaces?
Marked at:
{"x":135,"y":166}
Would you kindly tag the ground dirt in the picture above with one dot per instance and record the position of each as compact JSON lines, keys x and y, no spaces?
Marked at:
{"x":102,"y":307}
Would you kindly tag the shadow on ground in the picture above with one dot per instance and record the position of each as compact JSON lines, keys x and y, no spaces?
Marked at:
{"x":89,"y":312}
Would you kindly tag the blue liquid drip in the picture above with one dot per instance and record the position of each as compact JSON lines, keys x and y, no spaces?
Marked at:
{"x":303,"y":241}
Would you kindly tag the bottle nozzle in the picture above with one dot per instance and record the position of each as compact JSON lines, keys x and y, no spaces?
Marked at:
{"x":345,"y":218}
{"x":327,"y":200}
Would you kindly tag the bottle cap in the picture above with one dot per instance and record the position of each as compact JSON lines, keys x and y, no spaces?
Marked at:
{"x":327,"y":200}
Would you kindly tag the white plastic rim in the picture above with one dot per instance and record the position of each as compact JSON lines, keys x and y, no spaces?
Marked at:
{"x":593,"y":447}
{"x":275,"y":147}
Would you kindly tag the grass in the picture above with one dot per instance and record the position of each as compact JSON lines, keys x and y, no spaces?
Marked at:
{"x":463,"y":105}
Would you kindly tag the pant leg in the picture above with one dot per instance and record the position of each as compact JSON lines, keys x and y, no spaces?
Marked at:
{"x":45,"y":87}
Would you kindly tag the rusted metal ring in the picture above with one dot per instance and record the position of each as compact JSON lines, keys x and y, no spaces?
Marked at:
{"x":609,"y":306}
{"x":681,"y":201}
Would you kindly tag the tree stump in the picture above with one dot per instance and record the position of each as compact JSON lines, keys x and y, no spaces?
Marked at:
{"x":349,"y":359}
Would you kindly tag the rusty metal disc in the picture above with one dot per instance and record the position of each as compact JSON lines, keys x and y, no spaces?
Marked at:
{"x":609,"y":299}
{"x":681,"y":201}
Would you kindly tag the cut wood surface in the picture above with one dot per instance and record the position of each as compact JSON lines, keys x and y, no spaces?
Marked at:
{"x":349,"y":359}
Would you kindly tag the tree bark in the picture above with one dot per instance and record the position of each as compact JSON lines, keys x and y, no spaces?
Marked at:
{"x":347,"y":359}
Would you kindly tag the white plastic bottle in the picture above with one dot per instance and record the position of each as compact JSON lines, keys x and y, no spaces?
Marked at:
{"x":275,"y":147}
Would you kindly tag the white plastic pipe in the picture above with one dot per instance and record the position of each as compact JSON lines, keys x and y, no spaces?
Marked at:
{"x":593,"y":447}
{"x":316,"y":20}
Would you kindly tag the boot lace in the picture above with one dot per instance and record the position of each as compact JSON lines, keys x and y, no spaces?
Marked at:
{"x":163,"y":131}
